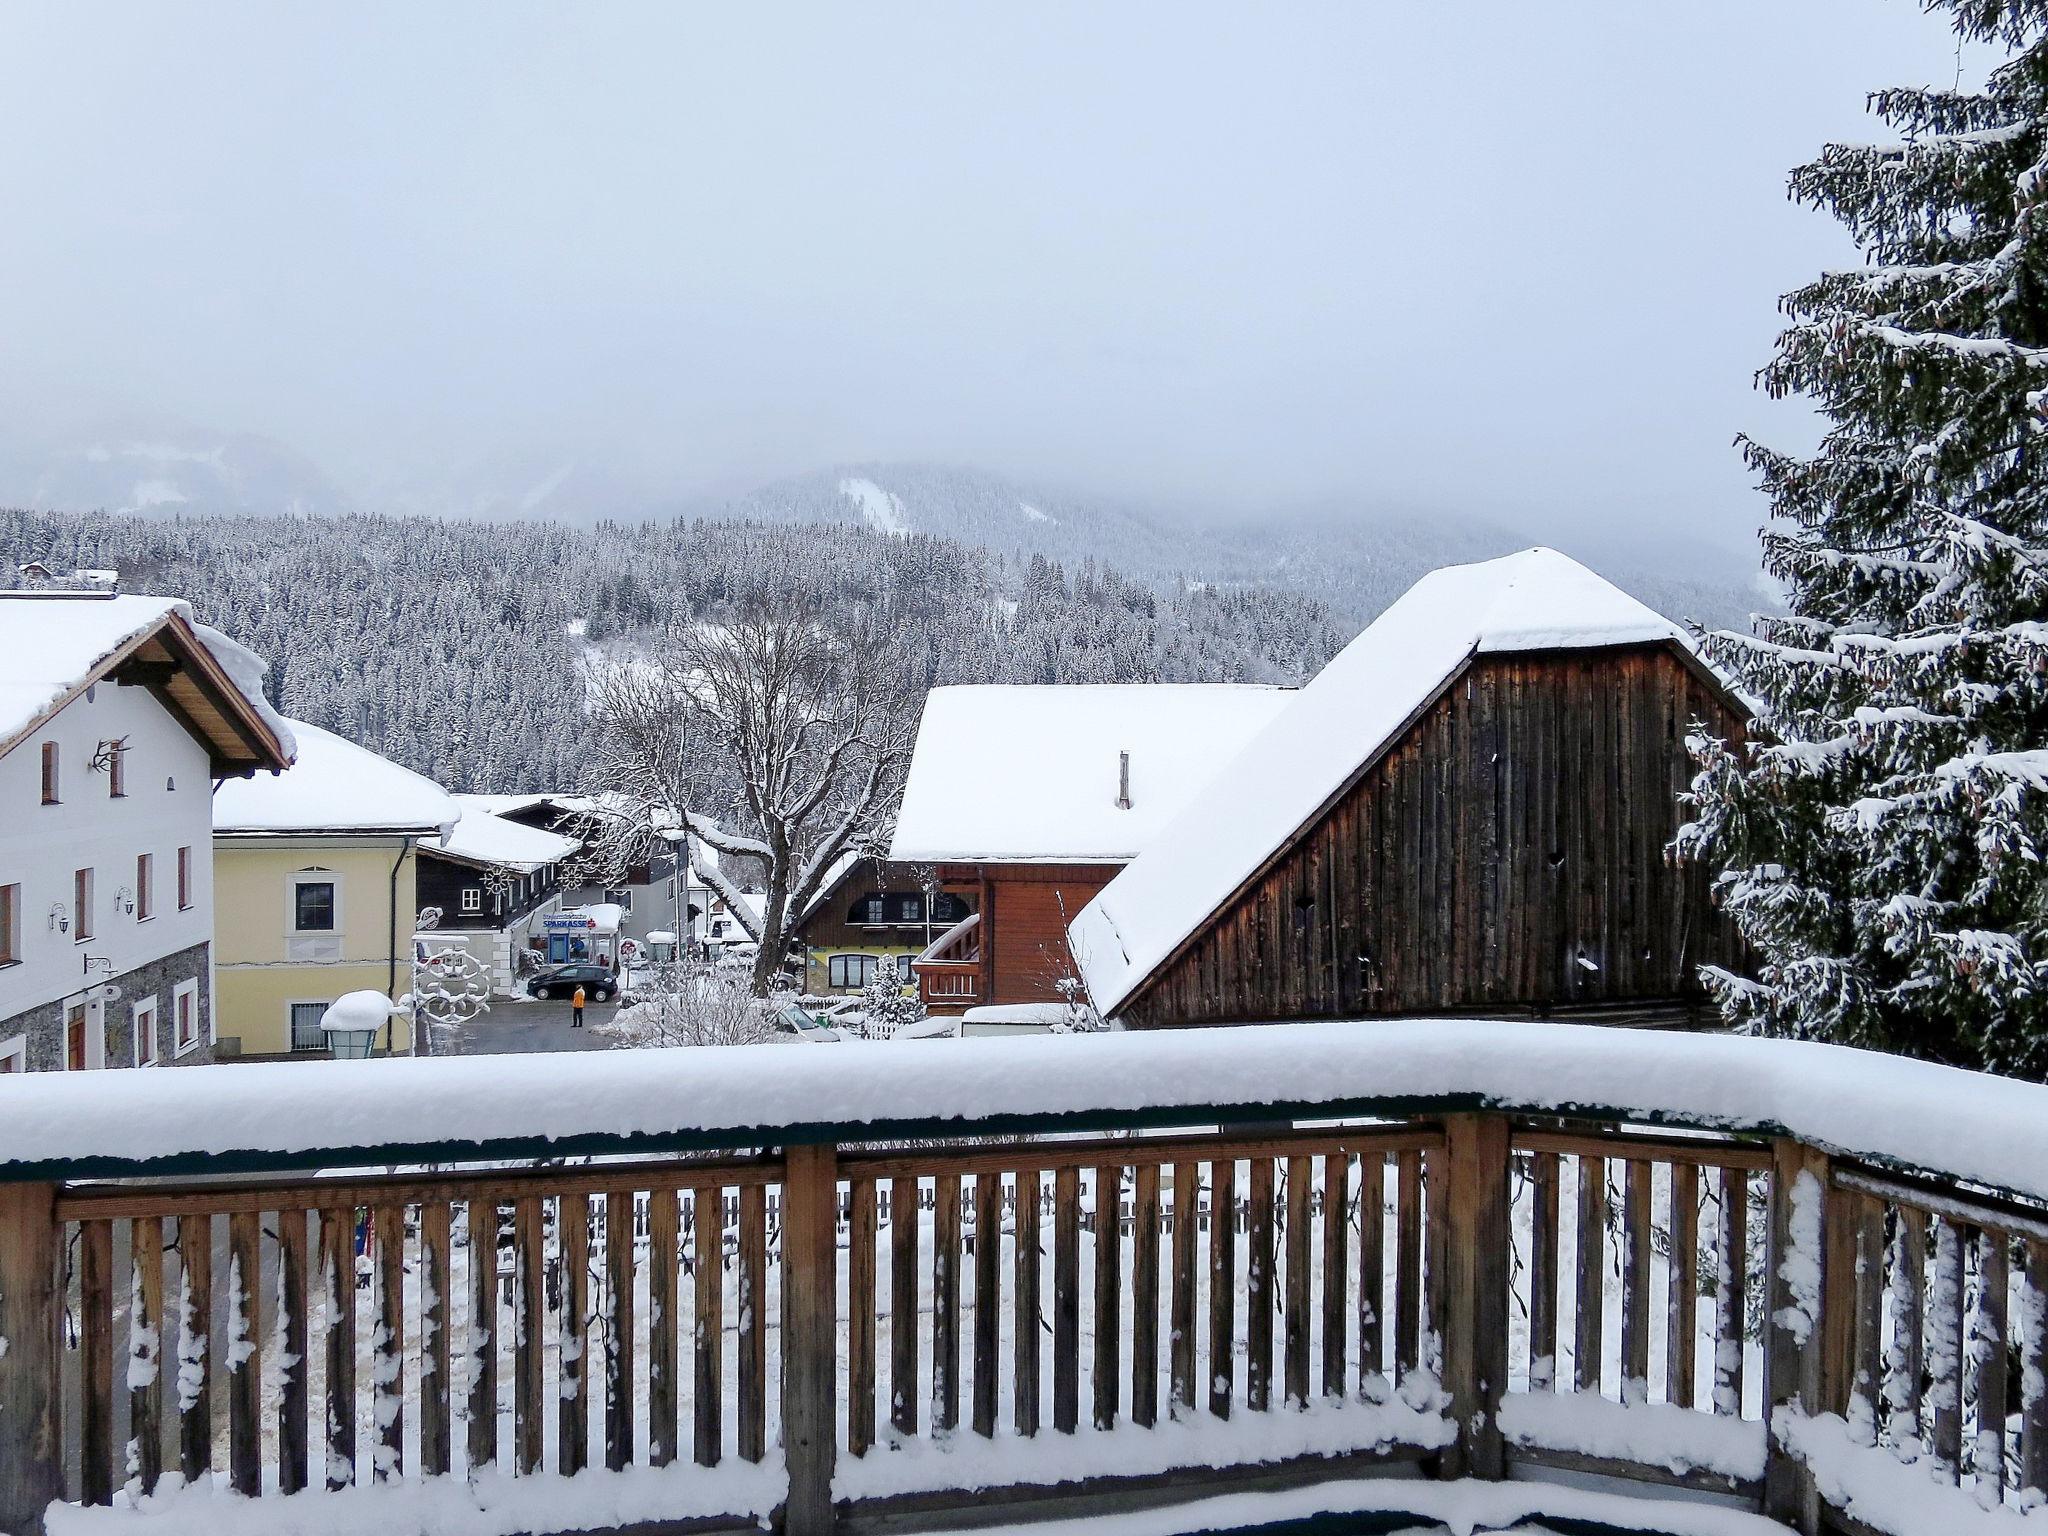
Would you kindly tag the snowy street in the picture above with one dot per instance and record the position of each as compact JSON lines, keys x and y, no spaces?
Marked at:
{"x":524,"y":1025}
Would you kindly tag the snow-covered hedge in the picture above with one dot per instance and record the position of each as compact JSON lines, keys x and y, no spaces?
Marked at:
{"x":1964,"y":1125}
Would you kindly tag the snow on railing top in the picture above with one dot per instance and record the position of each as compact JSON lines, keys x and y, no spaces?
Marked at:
{"x":1960,"y":1125}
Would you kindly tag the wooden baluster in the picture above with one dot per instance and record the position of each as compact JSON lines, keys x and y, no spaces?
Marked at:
{"x":1589,"y":1325}
{"x":1066,"y":1300}
{"x":1145,"y":1296}
{"x":860,"y":1318}
{"x":1945,"y":1347}
{"x":195,"y":1361}
{"x":709,"y":1337}
{"x":387,"y":1365}
{"x":34,"y":1249}
{"x":753,"y":1322}
{"x":810,"y":1305}
{"x":1258,"y":1290}
{"x":1372,"y":1274}
{"x":529,"y":1316}
{"x":1407,"y":1263}
{"x":338,"y":1343}
{"x":572,"y":1333}
{"x":619,"y":1330}
{"x":903,"y":1305}
{"x":1108,"y":1292}
{"x":483,"y":1334}
{"x":988,"y":1297}
{"x":146,"y":1357}
{"x":1543,"y":1235}
{"x":1222,"y":1285}
{"x":1294,"y":1353}
{"x":96,"y":1362}
{"x":1187,"y":1224}
{"x":292,"y":1344}
{"x":945,"y":1303}
{"x":1681,"y":1355}
{"x":1866,"y":1382}
{"x":1797,"y":1324}
{"x":1025,"y":1329}
{"x":2034,"y":1372}
{"x":1471,"y":1258}
{"x":1988,"y":1351}
{"x":1436,"y":1168}
{"x":664,"y":1227}
{"x":245,"y":1353}
{"x":1635,"y":1288}
{"x":437,"y":1448}
{"x":1906,"y":1357}
{"x":1336,"y":1268}
{"x":1731,"y":1292}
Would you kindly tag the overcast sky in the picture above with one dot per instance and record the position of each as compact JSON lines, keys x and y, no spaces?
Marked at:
{"x":1515,"y":258}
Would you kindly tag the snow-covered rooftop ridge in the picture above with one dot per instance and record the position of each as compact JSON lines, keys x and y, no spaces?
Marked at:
{"x":482,"y":838}
{"x":54,"y":642}
{"x":1963,"y":1125}
{"x":1024,"y":773}
{"x":1537,"y":600}
{"x":335,"y":786}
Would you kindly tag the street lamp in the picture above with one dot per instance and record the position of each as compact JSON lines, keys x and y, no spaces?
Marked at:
{"x":351,"y":1023}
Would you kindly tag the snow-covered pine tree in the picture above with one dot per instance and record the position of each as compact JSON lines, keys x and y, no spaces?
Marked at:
{"x":1882,"y":845}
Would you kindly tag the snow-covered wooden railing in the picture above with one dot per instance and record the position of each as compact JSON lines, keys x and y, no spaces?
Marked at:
{"x":766,"y":1283}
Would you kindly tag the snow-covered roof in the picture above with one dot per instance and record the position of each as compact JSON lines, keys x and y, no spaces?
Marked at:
{"x":481,"y":838}
{"x":1029,"y":774}
{"x":335,"y":786}
{"x":55,"y":644}
{"x":1864,"y":1104}
{"x":1537,"y":600}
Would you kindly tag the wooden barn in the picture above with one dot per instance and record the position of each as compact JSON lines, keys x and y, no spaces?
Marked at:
{"x":1025,"y":800}
{"x":1469,"y":811}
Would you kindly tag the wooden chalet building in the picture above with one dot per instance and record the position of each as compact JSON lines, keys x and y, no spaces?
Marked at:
{"x":867,"y":912}
{"x":1026,"y":801}
{"x":1469,"y":810}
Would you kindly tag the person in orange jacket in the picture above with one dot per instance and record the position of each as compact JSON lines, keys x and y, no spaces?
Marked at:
{"x":576,"y":1009}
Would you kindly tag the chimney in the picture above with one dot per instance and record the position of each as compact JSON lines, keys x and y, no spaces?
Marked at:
{"x":1123,"y":781}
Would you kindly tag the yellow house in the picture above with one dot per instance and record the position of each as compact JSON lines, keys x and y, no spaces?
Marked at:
{"x":315,"y":892}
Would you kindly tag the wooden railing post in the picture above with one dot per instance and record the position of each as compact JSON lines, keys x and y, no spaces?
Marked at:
{"x":1795,"y":1371}
{"x":1476,"y":1256}
{"x":31,"y":1459}
{"x":810,"y":1263}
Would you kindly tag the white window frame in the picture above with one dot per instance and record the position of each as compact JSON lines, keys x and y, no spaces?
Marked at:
{"x":15,"y":1049}
{"x":299,"y":877}
{"x":185,"y":880}
{"x":144,"y":1008}
{"x":95,"y":1033}
{"x":145,"y":886}
{"x":182,"y":990}
{"x":472,"y":899}
{"x":86,"y":901}
{"x":10,"y":941}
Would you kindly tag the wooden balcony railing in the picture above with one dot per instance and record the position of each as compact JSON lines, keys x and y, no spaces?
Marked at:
{"x":949,"y":985}
{"x":1781,"y":1297}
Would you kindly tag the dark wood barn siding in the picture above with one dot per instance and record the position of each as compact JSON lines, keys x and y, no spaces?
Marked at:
{"x":1508,"y":853}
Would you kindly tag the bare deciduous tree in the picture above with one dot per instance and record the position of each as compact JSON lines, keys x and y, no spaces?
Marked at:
{"x":780,"y":733}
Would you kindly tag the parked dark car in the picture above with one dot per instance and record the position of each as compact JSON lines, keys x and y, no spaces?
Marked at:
{"x":597,"y":982}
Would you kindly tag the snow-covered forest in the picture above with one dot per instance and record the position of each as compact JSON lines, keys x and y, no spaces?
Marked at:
{"x":457,"y":648}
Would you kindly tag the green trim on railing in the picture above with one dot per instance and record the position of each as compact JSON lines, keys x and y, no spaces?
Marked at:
{"x":531,"y":1149}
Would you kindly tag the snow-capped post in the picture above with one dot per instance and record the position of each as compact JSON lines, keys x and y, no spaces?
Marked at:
{"x":1793,"y":1333}
{"x":1469,"y":1307}
{"x":810,"y":1260}
{"x":31,"y":1350}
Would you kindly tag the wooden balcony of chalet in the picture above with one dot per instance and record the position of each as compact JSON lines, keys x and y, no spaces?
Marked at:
{"x":1329,"y":1278}
{"x":951,"y":971}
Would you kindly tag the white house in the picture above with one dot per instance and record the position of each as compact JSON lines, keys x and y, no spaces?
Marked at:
{"x":117,"y":716}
